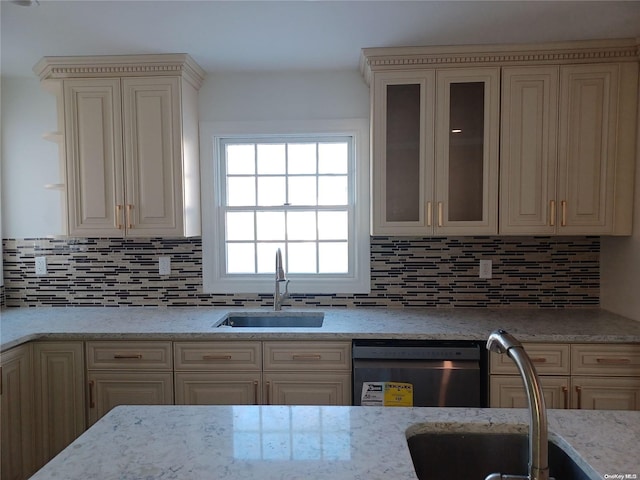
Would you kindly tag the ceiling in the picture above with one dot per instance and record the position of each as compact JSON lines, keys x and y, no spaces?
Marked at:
{"x":270,"y":35}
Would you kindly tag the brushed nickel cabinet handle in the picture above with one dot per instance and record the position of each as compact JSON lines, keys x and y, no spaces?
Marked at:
{"x":307,"y":356}
{"x":118,"y":215}
{"x":613,"y":361}
{"x":129,"y":224}
{"x":255,"y":392}
{"x":429,"y":214}
{"x":439,"y":214}
{"x":133,"y":356}
{"x":563,"y":222}
{"x":216,"y":357}
{"x":92,"y":403}
{"x":579,"y":392}
{"x":268,"y":399}
{"x":539,"y":360}
{"x":552,"y":213}
{"x":565,"y":392}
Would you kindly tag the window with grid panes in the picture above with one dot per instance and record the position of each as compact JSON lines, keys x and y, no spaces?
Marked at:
{"x":293,"y":192}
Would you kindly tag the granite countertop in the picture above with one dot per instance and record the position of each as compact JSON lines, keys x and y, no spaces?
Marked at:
{"x":19,"y":325}
{"x":311,"y":442}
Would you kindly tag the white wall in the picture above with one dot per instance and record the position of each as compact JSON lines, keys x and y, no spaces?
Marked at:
{"x":620,"y":263}
{"x":284,"y":96}
{"x":29,"y":162}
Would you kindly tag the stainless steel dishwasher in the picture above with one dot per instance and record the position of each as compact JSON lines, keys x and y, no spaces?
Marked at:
{"x":443,"y":373}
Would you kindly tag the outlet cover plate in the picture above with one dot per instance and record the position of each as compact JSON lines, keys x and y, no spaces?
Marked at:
{"x":41,"y":265}
{"x":485,"y":269}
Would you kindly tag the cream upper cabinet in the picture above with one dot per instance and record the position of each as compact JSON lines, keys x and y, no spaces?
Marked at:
{"x":435,"y":151}
{"x":563,"y":114}
{"x":466,"y":180}
{"x":528,"y":157}
{"x":131,"y":143}
{"x":567,"y":149}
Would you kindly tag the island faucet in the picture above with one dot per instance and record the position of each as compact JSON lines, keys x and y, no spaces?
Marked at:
{"x":279,"y":297}
{"x":502,"y":342}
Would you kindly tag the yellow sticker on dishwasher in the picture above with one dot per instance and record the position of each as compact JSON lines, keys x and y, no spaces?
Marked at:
{"x":398,"y":394}
{"x":387,"y":394}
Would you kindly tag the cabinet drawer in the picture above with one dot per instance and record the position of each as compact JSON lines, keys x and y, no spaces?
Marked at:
{"x":610,"y":359}
{"x":549,"y":359}
{"x":218,"y":356}
{"x":119,"y":355}
{"x":307,"y":356}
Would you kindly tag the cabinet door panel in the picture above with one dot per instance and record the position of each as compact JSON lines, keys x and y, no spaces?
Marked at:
{"x":528,"y":156}
{"x":110,"y":389}
{"x":403,"y":109}
{"x":506,"y":391}
{"x":308,"y":388}
{"x":93,"y":133}
{"x":587,"y":148}
{"x":59,"y":396}
{"x":217,"y":388}
{"x":17,"y":414}
{"x":467,"y":127}
{"x":606,"y":393}
{"x":152,"y":140}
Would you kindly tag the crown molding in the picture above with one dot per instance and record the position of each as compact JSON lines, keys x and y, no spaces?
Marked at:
{"x":411,"y":58}
{"x":180,"y":64}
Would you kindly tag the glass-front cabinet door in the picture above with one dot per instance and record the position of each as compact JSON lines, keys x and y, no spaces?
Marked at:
{"x":435,"y":152}
{"x":466,"y":166}
{"x":402,"y":147}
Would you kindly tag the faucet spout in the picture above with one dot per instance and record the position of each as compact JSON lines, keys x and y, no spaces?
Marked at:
{"x":278,"y":296}
{"x":504,"y":343}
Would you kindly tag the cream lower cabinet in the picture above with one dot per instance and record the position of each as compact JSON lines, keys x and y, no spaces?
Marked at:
{"x":307,"y":373}
{"x":581,"y":376}
{"x":16,"y":414}
{"x":605,"y":377}
{"x":127,"y":373}
{"x":58,"y":376}
{"x":263,"y":373}
{"x":218,"y":373}
{"x":507,"y":391}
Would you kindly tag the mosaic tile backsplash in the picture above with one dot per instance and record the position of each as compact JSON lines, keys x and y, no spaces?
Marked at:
{"x":549,"y":272}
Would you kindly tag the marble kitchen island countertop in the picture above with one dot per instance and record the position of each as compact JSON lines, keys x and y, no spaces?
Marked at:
{"x":316,"y":443}
{"x":19,"y":325}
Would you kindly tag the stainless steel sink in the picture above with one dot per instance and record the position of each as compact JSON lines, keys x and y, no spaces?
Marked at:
{"x":473,"y":456}
{"x":274,"y":320}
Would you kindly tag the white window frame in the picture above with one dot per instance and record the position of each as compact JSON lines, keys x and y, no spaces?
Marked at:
{"x":215,"y":279}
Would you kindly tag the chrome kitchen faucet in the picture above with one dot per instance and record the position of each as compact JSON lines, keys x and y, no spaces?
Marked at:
{"x":278,"y":297}
{"x":501,"y":342}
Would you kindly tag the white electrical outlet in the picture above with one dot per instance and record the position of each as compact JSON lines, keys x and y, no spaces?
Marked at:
{"x":485,"y":269}
{"x":41,"y":265}
{"x":164,"y":265}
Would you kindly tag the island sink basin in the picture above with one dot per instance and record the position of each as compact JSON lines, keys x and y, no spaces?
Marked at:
{"x":473,"y":456}
{"x":274,"y":320}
